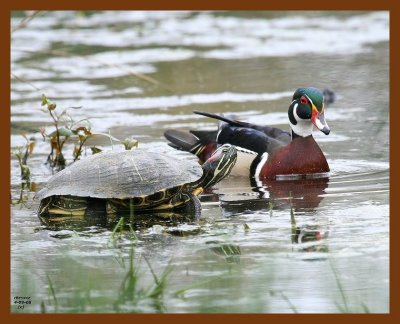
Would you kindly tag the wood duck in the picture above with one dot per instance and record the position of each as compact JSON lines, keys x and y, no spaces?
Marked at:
{"x":266,"y":152}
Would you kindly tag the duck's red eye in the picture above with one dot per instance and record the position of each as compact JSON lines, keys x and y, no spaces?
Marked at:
{"x":303,"y":100}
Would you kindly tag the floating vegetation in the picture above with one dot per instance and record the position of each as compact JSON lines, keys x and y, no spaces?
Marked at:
{"x":230,"y":252}
{"x":129,"y":143}
{"x":130,"y":291}
{"x":78,"y":131}
{"x":293,"y":224}
{"x":52,"y":294}
{"x":271,"y":207}
{"x":119,"y":231}
{"x":22,"y":153}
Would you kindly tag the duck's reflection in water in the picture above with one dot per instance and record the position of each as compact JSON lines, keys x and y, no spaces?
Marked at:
{"x":300,"y":197}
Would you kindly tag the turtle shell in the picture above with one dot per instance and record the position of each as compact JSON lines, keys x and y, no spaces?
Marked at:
{"x":122,"y":175}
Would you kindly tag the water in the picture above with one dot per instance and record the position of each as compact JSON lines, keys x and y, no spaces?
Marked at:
{"x":318,"y":247}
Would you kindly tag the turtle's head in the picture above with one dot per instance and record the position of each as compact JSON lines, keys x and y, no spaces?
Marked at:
{"x":218,"y":165}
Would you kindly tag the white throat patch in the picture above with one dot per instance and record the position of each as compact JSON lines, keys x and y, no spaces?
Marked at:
{"x":304,"y":127}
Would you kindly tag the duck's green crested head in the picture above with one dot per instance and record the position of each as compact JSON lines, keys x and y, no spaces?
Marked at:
{"x":314,"y":95}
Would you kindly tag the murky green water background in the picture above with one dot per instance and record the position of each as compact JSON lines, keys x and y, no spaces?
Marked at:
{"x":246,"y":253}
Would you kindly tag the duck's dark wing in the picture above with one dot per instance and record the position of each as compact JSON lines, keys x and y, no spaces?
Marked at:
{"x":272,"y":132}
{"x":248,"y":138}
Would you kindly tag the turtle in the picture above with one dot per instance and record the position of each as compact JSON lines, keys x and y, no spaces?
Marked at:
{"x":136,"y":180}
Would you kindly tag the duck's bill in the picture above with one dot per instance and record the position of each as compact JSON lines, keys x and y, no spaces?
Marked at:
{"x":318,"y":119}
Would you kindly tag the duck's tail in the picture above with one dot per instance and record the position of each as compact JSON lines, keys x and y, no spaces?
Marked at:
{"x":200,"y":143}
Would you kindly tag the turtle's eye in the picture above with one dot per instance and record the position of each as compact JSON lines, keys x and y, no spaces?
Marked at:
{"x":303,"y":100}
